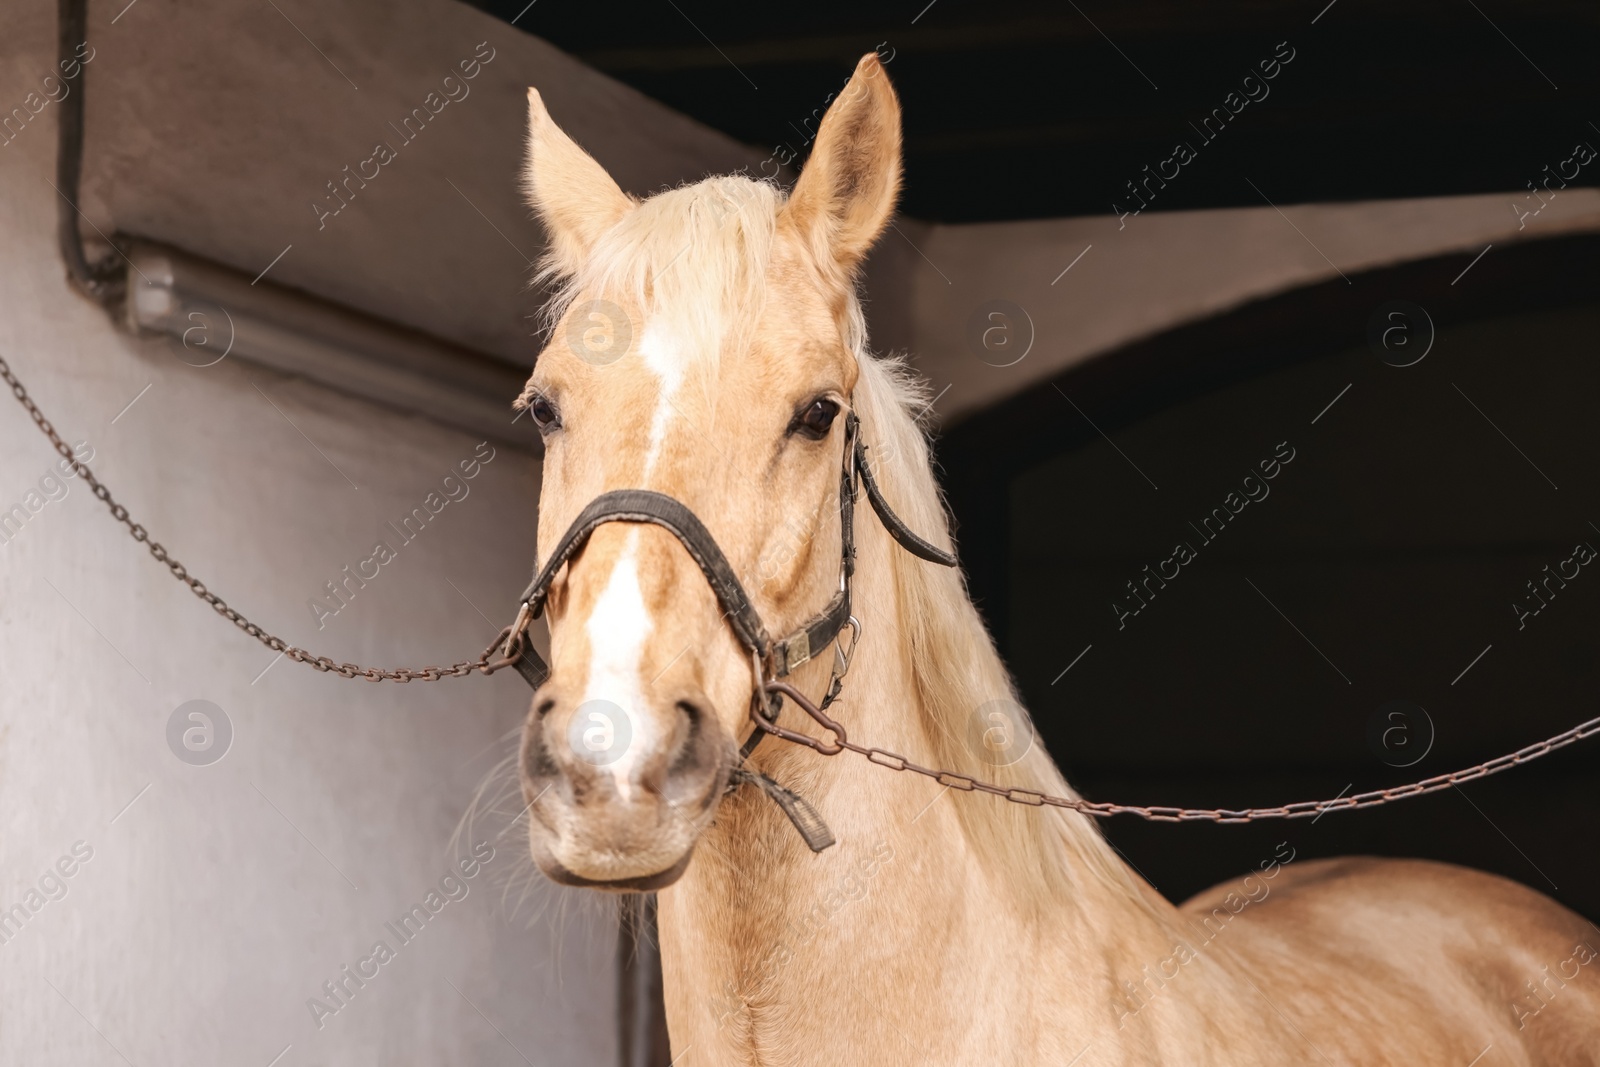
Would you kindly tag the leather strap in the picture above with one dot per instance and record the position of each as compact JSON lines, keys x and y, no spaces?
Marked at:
{"x":891,"y":522}
{"x":812,"y":638}
{"x":822,"y":628}
{"x":806,"y":819}
{"x":779,"y":657}
{"x":649,"y":506}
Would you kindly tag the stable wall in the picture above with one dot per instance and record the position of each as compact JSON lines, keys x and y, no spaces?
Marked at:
{"x":1069,"y":290}
{"x":217,"y":900}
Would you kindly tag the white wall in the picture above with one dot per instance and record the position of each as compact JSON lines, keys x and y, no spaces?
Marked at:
{"x":222,"y":899}
{"x":1154,"y":272}
{"x":216,"y":127}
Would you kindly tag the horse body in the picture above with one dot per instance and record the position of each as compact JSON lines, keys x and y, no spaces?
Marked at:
{"x":902,"y":945}
{"x":1405,"y":961}
{"x":946,"y":927}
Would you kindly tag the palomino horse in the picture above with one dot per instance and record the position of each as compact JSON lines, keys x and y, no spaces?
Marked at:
{"x":945,"y":927}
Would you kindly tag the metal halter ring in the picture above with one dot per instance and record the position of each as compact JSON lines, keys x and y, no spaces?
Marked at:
{"x":784,"y":689}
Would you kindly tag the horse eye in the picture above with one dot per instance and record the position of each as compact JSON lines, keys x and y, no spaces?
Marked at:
{"x":817,"y":418}
{"x":544,"y":414}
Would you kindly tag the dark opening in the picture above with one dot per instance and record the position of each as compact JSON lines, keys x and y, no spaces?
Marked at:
{"x":1375,"y":574}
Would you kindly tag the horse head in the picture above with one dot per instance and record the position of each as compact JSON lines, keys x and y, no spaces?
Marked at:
{"x":703,"y":346}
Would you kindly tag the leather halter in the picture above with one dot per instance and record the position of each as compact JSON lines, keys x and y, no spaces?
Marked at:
{"x":772,"y":659}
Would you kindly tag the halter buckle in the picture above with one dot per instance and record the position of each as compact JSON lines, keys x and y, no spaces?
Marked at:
{"x":796,"y":652}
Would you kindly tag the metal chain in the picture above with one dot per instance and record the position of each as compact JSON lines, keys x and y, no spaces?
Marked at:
{"x":880,"y":756}
{"x":1101,"y":809}
{"x":482,"y":664}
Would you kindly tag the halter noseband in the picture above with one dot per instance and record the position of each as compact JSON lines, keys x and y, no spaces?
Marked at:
{"x":771,"y":661}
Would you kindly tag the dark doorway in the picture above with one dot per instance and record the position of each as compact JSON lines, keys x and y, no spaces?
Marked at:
{"x":1373,"y":575}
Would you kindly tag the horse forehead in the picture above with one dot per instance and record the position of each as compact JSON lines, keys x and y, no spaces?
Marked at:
{"x":691,"y":381}
{"x":697,"y":384}
{"x":667,"y":397}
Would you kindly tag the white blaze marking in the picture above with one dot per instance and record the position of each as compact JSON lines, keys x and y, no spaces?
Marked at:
{"x":619,"y":624}
{"x":617,"y":629}
{"x":664,"y":355}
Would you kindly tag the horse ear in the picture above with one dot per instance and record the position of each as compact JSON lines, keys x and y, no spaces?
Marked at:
{"x":573,"y":195}
{"x":847,"y":191}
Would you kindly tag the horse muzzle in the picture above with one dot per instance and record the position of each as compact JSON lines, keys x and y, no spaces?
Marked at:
{"x":618,"y":796}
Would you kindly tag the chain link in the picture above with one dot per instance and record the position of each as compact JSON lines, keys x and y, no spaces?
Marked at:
{"x":1302,"y":809}
{"x":482,"y":664}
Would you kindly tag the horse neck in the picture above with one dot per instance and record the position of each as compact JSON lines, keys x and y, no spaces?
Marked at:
{"x":764,"y":944}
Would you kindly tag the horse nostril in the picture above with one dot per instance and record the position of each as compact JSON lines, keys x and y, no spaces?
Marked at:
{"x":696,"y":754}
{"x":581,"y":757}
{"x":537,"y":763}
{"x":694,"y":724}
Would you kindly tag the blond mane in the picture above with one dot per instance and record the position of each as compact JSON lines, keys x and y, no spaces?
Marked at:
{"x":689,"y":257}
{"x":1037,"y":851}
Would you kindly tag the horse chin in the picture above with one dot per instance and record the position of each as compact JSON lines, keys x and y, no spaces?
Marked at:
{"x":640,"y":884}
{"x":566,"y":861}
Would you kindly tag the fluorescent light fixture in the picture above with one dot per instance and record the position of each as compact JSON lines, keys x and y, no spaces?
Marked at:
{"x":215,"y":312}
